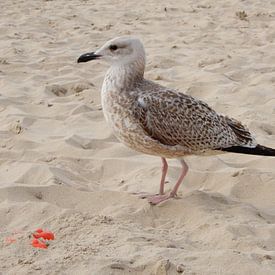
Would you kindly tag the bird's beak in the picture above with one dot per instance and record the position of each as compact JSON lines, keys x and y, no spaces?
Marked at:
{"x":87,"y":57}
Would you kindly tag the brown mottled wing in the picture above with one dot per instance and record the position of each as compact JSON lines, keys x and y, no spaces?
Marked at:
{"x":174,"y":118}
{"x":242,"y":133}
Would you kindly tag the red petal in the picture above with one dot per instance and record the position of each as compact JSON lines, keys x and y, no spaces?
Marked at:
{"x":45,"y":235}
{"x":36,"y":243}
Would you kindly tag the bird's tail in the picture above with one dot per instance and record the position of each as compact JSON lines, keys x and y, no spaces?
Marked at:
{"x":258,"y":150}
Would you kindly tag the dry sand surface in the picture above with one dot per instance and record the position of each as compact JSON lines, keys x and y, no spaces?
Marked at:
{"x":63,"y":170}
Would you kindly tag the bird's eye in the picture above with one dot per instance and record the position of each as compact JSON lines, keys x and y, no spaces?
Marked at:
{"x":113,"y":47}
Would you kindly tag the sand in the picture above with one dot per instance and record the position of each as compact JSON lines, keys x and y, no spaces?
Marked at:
{"x":63,"y":170}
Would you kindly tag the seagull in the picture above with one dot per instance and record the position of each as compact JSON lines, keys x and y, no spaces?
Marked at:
{"x":160,"y":121}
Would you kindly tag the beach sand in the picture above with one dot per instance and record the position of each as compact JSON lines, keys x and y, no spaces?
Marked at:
{"x":63,"y":170}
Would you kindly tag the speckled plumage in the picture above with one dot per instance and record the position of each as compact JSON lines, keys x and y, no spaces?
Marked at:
{"x":160,"y":121}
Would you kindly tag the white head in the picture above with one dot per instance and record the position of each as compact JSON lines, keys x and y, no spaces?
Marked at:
{"x":118,"y":51}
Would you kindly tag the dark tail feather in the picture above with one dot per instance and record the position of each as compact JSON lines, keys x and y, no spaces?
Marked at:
{"x":258,"y":150}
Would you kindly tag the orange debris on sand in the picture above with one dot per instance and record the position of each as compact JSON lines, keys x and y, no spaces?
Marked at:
{"x":40,"y":236}
{"x":39,"y":244}
{"x":10,"y":240}
{"x":44,"y":235}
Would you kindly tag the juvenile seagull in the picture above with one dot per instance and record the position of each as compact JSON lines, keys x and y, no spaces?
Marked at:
{"x":160,"y":121}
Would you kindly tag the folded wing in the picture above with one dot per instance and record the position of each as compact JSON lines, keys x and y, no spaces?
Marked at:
{"x":174,"y":118}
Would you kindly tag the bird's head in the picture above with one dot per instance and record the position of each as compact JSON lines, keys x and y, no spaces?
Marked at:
{"x":120,"y":50}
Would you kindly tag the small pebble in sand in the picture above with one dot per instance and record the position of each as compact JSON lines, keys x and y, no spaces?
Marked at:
{"x":161,"y":267}
{"x":180,"y":268}
{"x":242,"y":15}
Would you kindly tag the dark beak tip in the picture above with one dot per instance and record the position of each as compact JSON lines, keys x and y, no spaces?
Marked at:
{"x":79,"y":60}
{"x":87,"y":57}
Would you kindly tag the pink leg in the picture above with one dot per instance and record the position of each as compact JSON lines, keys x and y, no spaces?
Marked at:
{"x":144,"y":195}
{"x":159,"y":198}
{"x":163,"y":176}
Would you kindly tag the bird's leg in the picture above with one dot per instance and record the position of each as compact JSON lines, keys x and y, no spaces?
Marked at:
{"x":163,"y":175}
{"x":144,"y":195}
{"x":159,"y":198}
{"x":184,"y":171}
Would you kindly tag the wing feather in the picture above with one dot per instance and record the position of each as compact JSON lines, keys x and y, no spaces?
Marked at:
{"x":174,"y":118}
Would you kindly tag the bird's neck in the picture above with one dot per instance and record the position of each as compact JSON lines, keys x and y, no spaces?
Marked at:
{"x":123,"y":77}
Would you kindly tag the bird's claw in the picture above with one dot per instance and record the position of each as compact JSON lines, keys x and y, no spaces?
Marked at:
{"x":156,"y":199}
